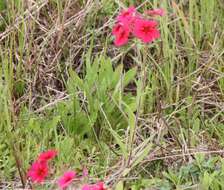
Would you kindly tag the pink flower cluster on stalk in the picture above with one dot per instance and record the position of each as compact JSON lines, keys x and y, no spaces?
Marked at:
{"x":131,"y":23}
{"x":39,"y":170}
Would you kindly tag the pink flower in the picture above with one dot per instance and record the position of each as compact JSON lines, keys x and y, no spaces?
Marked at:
{"x":131,"y":23}
{"x":156,"y":12}
{"x":38,"y":171}
{"x":48,"y":155}
{"x":85,"y":172}
{"x":121,"y":33}
{"x":127,"y":16}
{"x":146,"y":30}
{"x":97,"y":186}
{"x":66,"y":179}
{"x":117,"y":28}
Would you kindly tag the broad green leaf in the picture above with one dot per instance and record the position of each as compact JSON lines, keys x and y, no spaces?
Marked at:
{"x":130,"y":76}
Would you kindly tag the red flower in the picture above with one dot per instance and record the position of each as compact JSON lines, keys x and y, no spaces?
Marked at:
{"x":48,"y":155}
{"x":127,"y":16}
{"x":97,"y":186}
{"x":131,"y":22}
{"x":66,"y":179}
{"x":146,"y":30}
{"x":38,"y":171}
{"x":117,"y":28}
{"x":155,"y":12}
{"x":121,"y":33}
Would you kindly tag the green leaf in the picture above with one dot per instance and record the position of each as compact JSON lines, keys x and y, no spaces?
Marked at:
{"x":131,"y":120}
{"x":74,"y":81}
{"x":120,"y":143}
{"x":130,"y":76}
{"x":2,"y":5}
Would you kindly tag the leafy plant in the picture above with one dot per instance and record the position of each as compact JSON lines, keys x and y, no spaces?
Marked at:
{"x":97,"y":94}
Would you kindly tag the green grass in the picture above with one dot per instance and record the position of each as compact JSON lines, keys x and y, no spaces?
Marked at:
{"x":142,"y":116}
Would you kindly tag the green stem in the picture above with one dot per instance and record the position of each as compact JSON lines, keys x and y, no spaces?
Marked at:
{"x":140,"y":97}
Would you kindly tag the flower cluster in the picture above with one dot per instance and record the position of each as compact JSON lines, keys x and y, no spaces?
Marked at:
{"x":39,"y":170}
{"x":68,"y":177}
{"x":131,"y":23}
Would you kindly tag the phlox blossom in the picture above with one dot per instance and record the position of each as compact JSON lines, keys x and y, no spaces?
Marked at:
{"x":97,"y":186}
{"x":146,"y":30}
{"x":65,"y":180}
{"x":48,"y":155}
{"x":117,"y":28}
{"x":121,"y":33}
{"x":127,"y":16}
{"x":130,"y":23}
{"x":156,"y":12}
{"x":38,"y":171}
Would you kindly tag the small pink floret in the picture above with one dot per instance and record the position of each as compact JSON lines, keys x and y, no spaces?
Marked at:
{"x":156,"y":12}
{"x":85,"y":172}
{"x":97,"y":186}
{"x":117,"y":28}
{"x":126,"y":16}
{"x":38,"y":171}
{"x":48,"y":155}
{"x":121,"y":33}
{"x":65,"y":180}
{"x":146,"y":30}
